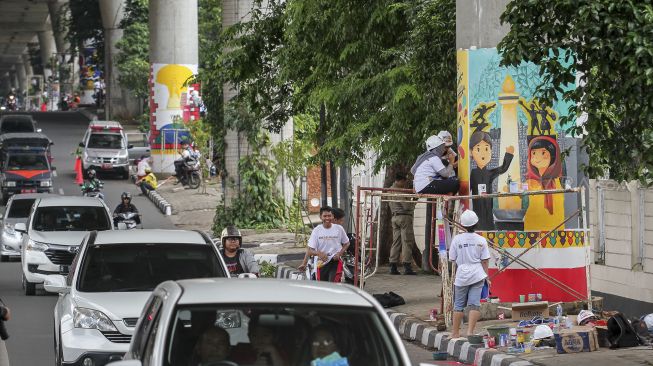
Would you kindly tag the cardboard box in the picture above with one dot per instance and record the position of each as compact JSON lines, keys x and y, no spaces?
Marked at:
{"x":577,"y":339}
{"x":528,"y":310}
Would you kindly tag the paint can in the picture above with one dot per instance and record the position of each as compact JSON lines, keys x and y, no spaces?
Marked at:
{"x":539,"y":297}
{"x":503,"y":340}
{"x":532,"y":297}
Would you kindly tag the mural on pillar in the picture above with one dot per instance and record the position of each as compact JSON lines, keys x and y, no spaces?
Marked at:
{"x":90,"y":73}
{"x":509,"y":141}
{"x":171,"y":104}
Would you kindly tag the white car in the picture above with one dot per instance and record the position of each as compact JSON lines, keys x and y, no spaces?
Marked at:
{"x":18,"y":210}
{"x":53,"y":233}
{"x":109,"y":282}
{"x":105,"y":148}
{"x":217,"y":322}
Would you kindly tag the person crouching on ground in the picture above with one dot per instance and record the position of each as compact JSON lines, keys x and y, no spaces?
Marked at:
{"x":148,"y":182}
{"x":471,"y":254}
{"x":143,"y":164}
{"x":328,"y":242}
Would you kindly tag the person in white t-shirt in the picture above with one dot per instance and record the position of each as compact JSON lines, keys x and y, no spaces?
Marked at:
{"x":328,"y":242}
{"x":471,"y":254}
{"x":433,"y":170}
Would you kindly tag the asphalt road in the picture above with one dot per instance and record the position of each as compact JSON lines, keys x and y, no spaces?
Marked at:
{"x":30,"y":329}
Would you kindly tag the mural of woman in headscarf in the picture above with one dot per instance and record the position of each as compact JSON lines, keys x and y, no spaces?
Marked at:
{"x":481,"y":177}
{"x":544,"y":169}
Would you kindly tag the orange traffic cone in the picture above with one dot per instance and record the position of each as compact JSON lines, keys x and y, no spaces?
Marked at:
{"x":79,"y":177}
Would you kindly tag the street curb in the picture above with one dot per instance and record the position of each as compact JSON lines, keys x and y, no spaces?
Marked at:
{"x":88,"y":114}
{"x":414,"y":329}
{"x":160,"y":202}
{"x":290,"y":273}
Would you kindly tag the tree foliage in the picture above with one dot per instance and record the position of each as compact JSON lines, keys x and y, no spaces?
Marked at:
{"x":85,"y":24}
{"x":609,"y":44}
{"x":132,"y":59}
{"x":384,"y":71}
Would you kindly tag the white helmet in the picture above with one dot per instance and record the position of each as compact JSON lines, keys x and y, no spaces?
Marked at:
{"x":542,"y":331}
{"x":444,"y":135}
{"x":584,"y":316}
{"x":433,"y":142}
{"x":468,"y":218}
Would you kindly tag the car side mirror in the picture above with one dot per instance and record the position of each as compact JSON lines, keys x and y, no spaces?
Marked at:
{"x":126,"y":363}
{"x":130,"y":146}
{"x":56,"y":283}
{"x":20,"y":227}
{"x":81,"y":144}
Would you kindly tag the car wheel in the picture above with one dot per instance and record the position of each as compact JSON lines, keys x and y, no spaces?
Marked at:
{"x":30,"y":288}
{"x":125,"y":174}
{"x":194,"y":180}
{"x":4,"y":258}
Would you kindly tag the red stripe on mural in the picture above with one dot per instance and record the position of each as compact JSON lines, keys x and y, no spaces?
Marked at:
{"x":511,"y":283}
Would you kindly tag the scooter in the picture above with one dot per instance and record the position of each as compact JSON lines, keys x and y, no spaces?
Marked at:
{"x":127,"y":221}
{"x":93,"y":192}
{"x":191,"y":174}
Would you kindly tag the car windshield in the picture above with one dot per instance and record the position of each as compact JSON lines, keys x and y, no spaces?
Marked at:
{"x":279,"y":335}
{"x":17,"y":125}
{"x":105,"y":141}
{"x":20,"y":208}
{"x":27,"y":162}
{"x":71,"y":218}
{"x":141,"y":267}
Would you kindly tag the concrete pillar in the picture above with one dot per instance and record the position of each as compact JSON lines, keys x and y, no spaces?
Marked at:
{"x":118,"y":102}
{"x":22,"y":78}
{"x":477,"y":23}
{"x":48,"y":49}
{"x":234,"y":11}
{"x":5,"y":84}
{"x":173,"y":59}
{"x":58,"y":13}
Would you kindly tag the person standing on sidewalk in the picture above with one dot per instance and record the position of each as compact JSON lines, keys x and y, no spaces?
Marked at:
{"x":403,"y":237}
{"x":328,"y":242}
{"x":471,"y":254}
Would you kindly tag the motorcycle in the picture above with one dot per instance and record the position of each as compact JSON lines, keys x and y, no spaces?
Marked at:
{"x":127,"y":221}
{"x":191,"y":174}
{"x":11,"y":103}
{"x":348,"y":268}
{"x":88,"y":191}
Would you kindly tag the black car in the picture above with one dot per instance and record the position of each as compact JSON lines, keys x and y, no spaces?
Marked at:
{"x":13,"y":123}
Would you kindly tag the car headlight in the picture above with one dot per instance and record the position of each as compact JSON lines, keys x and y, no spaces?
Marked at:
{"x":123,"y":160}
{"x":9,"y":183}
{"x":46,"y":183}
{"x":9,"y":229}
{"x":92,"y":319}
{"x":37,"y":246}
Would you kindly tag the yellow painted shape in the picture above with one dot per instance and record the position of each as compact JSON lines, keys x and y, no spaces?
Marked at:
{"x":174,"y":76}
{"x":463,"y":108}
{"x":537,"y":216}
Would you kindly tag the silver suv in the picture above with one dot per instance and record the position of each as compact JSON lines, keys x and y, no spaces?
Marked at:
{"x":53,"y":233}
{"x":105,"y":148}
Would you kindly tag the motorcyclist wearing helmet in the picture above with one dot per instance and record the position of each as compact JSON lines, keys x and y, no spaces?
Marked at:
{"x":237,"y":259}
{"x":125,"y":206}
{"x":93,"y":184}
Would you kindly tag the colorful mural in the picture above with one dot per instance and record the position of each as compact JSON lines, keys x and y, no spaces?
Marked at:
{"x":510,"y":142}
{"x":170,"y":99}
{"x":89,"y":72}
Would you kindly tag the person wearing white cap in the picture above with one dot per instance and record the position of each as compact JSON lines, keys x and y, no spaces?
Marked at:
{"x":450,"y":152}
{"x":433,"y":171}
{"x":471,"y":254}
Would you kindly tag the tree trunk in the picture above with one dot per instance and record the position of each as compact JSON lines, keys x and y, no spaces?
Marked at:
{"x":346,"y":196}
{"x":323,"y":168}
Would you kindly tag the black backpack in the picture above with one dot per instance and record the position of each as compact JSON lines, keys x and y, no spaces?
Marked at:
{"x":621,"y":333}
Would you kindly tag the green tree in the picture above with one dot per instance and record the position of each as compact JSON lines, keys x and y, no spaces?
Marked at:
{"x":133,"y":57}
{"x":608,"y":43}
{"x":85,"y":24}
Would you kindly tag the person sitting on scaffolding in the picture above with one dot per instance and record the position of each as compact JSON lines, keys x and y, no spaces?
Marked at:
{"x":434,"y":170}
{"x":328,"y":242}
{"x":470,"y":252}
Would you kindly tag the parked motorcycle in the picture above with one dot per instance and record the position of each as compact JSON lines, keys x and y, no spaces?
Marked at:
{"x":190,"y":174}
{"x":11,"y":103}
{"x":127,"y":221}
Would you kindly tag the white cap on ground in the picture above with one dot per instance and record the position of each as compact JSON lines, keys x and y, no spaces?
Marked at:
{"x":584,"y":315}
{"x":433,"y":142}
{"x":542,"y":331}
{"x":468,"y":218}
{"x":446,"y":137}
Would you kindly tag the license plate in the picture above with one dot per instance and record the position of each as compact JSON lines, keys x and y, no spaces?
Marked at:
{"x":107,"y":166}
{"x":28,"y":191}
{"x":64,"y":269}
